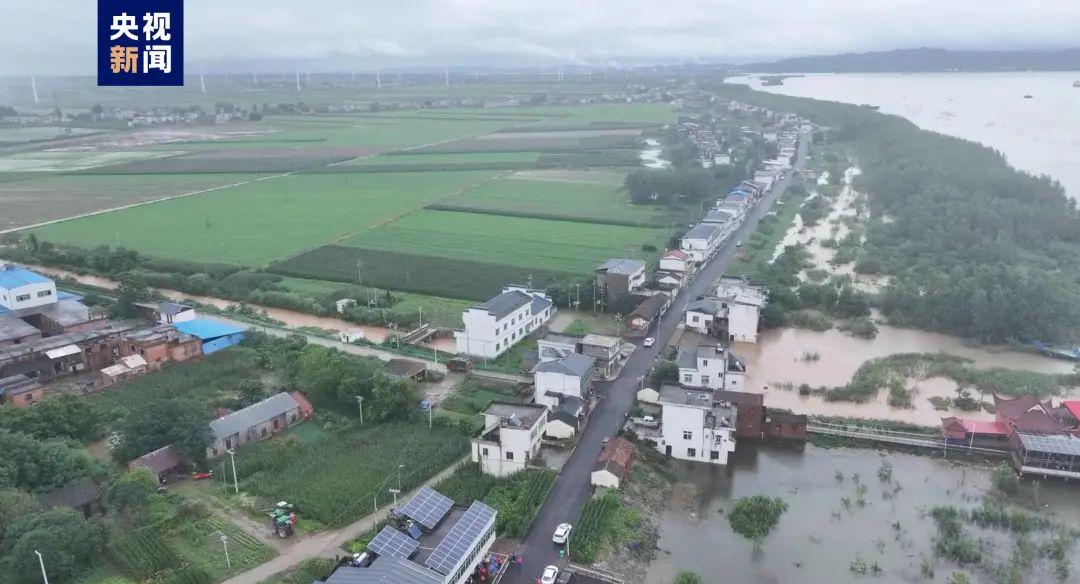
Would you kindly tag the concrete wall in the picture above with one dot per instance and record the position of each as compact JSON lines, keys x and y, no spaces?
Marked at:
{"x":28,"y":296}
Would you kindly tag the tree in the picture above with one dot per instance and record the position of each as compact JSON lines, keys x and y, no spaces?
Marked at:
{"x":132,"y":489}
{"x":754,"y":517}
{"x":68,"y":541}
{"x":178,"y":421}
{"x":41,"y":465}
{"x":665,"y":371}
{"x":132,"y":289}
{"x":1005,"y":480}
{"x":15,"y":505}
{"x":391,"y":399}
{"x":57,"y":416}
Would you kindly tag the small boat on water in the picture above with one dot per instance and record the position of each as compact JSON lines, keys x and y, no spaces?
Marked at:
{"x":1076,"y":83}
{"x":1027,"y":96}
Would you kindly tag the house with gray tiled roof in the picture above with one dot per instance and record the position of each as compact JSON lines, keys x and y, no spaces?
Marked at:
{"x":491,"y":328}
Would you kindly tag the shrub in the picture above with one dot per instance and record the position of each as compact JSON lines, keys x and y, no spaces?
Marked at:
{"x":1005,"y":480}
{"x":754,"y":517}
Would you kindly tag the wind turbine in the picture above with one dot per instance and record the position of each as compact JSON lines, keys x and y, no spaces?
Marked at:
{"x":298,"y":81}
{"x":202,"y":81}
{"x":33,"y":86}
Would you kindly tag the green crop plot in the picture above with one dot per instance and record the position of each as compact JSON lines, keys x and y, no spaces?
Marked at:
{"x":452,"y":157}
{"x":258,"y":222}
{"x":516,"y":241}
{"x":560,"y":197}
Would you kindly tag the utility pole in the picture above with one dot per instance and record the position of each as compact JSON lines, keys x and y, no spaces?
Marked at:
{"x":360,"y":404}
{"x":421,"y":308}
{"x":225,"y":543}
{"x":395,"y":492}
{"x":235,"y":482}
{"x":375,"y":500}
{"x":41,"y":562}
{"x":359,"y":275}
{"x":399,"y":467}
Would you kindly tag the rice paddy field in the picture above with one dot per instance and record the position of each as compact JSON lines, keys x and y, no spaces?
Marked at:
{"x":444,"y":206}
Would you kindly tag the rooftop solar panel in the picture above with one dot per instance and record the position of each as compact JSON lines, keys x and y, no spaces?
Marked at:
{"x":391,"y":542}
{"x":461,"y":539}
{"x":428,"y":507}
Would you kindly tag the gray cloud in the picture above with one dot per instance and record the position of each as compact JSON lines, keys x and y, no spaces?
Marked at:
{"x":57,"y":36}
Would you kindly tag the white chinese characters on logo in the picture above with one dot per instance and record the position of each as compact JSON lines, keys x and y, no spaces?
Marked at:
{"x":157,"y":26}
{"x":157,"y":57}
{"x":123,"y":25}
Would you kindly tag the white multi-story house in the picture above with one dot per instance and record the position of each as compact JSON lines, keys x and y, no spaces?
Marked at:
{"x":491,"y":328}
{"x":21,"y":289}
{"x":510,"y":438}
{"x":695,"y":426}
{"x":619,"y":276}
{"x":555,"y":346}
{"x":711,"y":367}
{"x":726,"y":220}
{"x":558,"y":379}
{"x":701,"y":242}
{"x":674,"y":260}
{"x":743,"y":302}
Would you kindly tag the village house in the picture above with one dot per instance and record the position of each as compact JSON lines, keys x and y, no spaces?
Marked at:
{"x":15,"y":331}
{"x":647,"y":312}
{"x":57,"y":356}
{"x":407,"y":369}
{"x":510,"y":439}
{"x":20,"y":390}
{"x":160,"y":344}
{"x":557,"y":379}
{"x":254,"y":423}
{"x":695,"y":425}
{"x":619,"y":276}
{"x":66,"y":315}
{"x":21,"y":289}
{"x":554,"y":346}
{"x":168,"y":312}
{"x":751,"y":410}
{"x":214,"y":335}
{"x":701,"y":242}
{"x":743,"y":303}
{"x":711,"y":367}
{"x":83,"y":495}
{"x":612,"y":467}
{"x":674,"y":260}
{"x":161,"y":462}
{"x":785,"y":426}
{"x":490,"y":329}
{"x":565,"y":419}
{"x":127,"y":368}
{"x":606,"y":350}
{"x":428,"y":540}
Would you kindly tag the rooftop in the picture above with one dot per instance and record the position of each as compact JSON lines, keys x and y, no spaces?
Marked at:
{"x":385,"y":570}
{"x":241,"y":420}
{"x":539,"y":303}
{"x":574,"y":364}
{"x":561,"y":338}
{"x":704,"y":305}
{"x":616,"y":457}
{"x":505,"y":303}
{"x":515,"y":415}
{"x":18,"y":384}
{"x":688,"y":356}
{"x":702,"y":231}
{"x":717,"y":216}
{"x":675,"y":254}
{"x":58,"y":341}
{"x":159,"y":461}
{"x":600,"y":341}
{"x":208,"y":328}
{"x":724,"y":412}
{"x":405,"y":368}
{"x":1063,"y":444}
{"x":12,"y":328}
{"x":16,"y":277}
{"x":74,"y":494}
{"x":67,"y":312}
{"x":621,"y":266}
{"x":650,"y":307}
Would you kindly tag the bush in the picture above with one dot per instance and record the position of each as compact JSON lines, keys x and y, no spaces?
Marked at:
{"x":1005,"y":480}
{"x":861,"y":327}
{"x":755,"y":516}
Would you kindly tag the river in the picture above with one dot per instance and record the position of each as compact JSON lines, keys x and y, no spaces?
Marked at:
{"x":818,"y":538}
{"x":1040,"y":135}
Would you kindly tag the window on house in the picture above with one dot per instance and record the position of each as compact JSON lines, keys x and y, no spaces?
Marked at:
{"x":705,"y":380}
{"x":691,"y":452}
{"x":687,"y":378}
{"x":714,"y":455}
{"x":704,"y":362}
{"x":687,"y":435}
{"x":509,"y":456}
{"x":694,"y":318}
{"x":44,"y":293}
{"x":22,"y":297}
{"x":734,"y":382}
{"x":485,"y":451}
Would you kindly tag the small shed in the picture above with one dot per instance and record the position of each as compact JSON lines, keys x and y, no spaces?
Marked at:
{"x":648,"y":395}
{"x":407,"y":369}
{"x":613,"y":465}
{"x":351,"y":336}
{"x":564,"y":420}
{"x":307,"y":411}
{"x":82,"y":494}
{"x":161,"y":462}
{"x":785,"y":426}
{"x":20,"y":390}
{"x":168,"y":312}
{"x":214,"y":334}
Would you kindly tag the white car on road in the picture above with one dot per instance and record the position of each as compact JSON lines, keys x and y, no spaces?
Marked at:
{"x":648,"y":342}
{"x":549,"y":576}
{"x":562,"y":533}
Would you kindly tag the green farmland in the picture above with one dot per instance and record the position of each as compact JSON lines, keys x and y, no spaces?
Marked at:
{"x":516,"y":241}
{"x":600,"y":200}
{"x":256,"y":223}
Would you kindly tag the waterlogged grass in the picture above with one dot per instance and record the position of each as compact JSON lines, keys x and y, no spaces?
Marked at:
{"x":256,"y":223}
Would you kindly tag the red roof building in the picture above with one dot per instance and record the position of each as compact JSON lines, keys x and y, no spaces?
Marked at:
{"x":613,"y":465}
{"x":1027,"y":414}
{"x":306,"y":409}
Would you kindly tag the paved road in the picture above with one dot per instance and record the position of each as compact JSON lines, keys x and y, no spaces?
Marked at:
{"x":572,"y":489}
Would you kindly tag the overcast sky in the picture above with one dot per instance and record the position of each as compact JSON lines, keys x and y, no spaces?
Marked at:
{"x":57,"y":36}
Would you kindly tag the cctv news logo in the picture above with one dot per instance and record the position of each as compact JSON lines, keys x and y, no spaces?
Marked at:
{"x":140,"y":42}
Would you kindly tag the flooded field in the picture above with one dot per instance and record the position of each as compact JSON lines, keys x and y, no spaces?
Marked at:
{"x":779,"y":358}
{"x":819,"y":538}
{"x":651,"y":155}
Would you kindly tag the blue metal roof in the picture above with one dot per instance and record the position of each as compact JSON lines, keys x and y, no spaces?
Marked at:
{"x":206,"y":328}
{"x":13,"y":277}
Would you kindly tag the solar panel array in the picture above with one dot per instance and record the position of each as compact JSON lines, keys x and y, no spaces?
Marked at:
{"x":428,"y":507}
{"x":1051,"y":443}
{"x":391,"y":542}
{"x":462,"y":537}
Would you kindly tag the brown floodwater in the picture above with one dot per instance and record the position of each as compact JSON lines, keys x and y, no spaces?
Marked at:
{"x":779,"y":358}
{"x":818,"y":538}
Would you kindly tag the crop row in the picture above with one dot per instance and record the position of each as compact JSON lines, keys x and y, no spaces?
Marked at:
{"x":593,"y":527}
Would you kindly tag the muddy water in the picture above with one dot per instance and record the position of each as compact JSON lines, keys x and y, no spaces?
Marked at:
{"x":291,"y":318}
{"x":650,"y":155}
{"x":811,"y":544}
{"x":778,"y":357}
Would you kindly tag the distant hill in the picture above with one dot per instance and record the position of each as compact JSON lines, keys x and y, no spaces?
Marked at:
{"x":925,"y":59}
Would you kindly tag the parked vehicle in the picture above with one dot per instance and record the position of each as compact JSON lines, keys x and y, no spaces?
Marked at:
{"x":645,"y":421}
{"x":648,"y":342}
{"x":562,"y":533}
{"x":551,"y":573}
